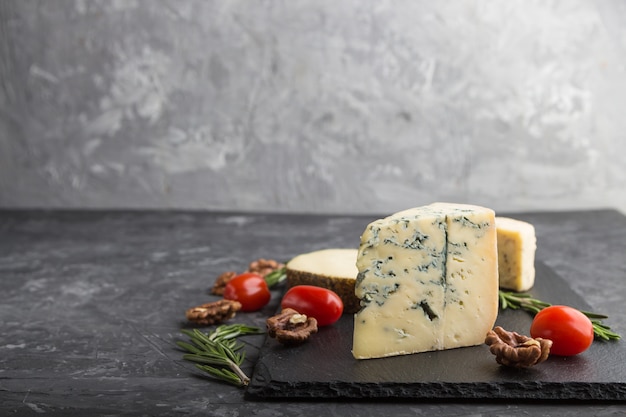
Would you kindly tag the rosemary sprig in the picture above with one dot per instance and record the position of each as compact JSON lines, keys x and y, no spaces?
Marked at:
{"x":218,"y":353}
{"x":276,"y":277}
{"x":525,"y":301}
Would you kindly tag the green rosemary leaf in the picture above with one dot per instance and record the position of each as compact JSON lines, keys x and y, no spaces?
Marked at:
{"x":594,"y":315}
{"x":276,"y":277}
{"x":223,"y":374}
{"x":188,"y":347}
{"x":231,"y":331}
{"x":198,"y":335}
{"x":207,"y":359}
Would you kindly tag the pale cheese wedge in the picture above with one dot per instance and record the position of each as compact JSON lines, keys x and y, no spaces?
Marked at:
{"x":428,"y":280}
{"x":517,"y":245}
{"x":334,"y":269}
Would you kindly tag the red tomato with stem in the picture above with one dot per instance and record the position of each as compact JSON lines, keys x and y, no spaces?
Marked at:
{"x":570,"y":330}
{"x":249,"y":289}
{"x":321,"y":303}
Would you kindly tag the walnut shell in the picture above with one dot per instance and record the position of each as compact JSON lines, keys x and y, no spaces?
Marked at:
{"x":290,"y":327}
{"x":515,"y":350}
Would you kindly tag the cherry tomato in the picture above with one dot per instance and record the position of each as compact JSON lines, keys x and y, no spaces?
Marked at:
{"x":249,"y":289}
{"x":321,"y":303}
{"x":570,"y":330}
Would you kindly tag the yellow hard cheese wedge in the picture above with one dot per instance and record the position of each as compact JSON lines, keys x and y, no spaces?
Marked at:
{"x":334,"y":269}
{"x":517,"y":245}
{"x":428,"y":280}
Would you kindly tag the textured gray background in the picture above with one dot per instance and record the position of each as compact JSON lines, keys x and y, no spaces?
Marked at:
{"x":312,"y":106}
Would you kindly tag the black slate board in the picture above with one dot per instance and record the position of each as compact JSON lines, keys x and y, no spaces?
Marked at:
{"x":324,"y":368}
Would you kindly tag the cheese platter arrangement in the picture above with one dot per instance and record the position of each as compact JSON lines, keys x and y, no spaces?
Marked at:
{"x":445,"y":301}
{"x":324,"y":367}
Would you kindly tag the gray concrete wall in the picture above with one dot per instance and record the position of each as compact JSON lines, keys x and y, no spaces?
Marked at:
{"x":312,"y":106}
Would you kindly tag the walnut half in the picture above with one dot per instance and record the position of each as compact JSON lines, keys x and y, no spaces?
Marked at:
{"x":290,"y":327}
{"x":516,"y":350}
{"x":221,"y":281}
{"x":264,"y":266}
{"x":213,"y":313}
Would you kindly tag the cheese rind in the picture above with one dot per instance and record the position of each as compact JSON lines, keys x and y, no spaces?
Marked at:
{"x":428,"y":280}
{"x":517,"y":245}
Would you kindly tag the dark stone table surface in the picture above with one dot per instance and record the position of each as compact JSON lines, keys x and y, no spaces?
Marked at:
{"x":93,"y":302}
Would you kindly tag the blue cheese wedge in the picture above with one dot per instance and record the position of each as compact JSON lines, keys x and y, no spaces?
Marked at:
{"x":517,"y":245}
{"x":428,"y":280}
